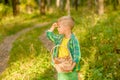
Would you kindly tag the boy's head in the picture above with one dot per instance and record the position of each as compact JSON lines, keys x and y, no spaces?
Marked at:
{"x":65,"y":24}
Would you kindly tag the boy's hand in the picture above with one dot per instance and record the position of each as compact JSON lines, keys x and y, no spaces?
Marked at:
{"x":54,"y":25}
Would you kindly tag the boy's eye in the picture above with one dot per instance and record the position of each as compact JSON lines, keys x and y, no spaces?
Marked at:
{"x":58,"y":27}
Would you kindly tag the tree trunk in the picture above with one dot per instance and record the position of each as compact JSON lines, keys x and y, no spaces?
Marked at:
{"x":90,"y":3}
{"x":29,"y":7}
{"x":15,"y":5}
{"x":115,"y":4}
{"x":76,"y":5}
{"x":100,"y":4}
{"x":48,"y":4}
{"x":42,"y":7}
{"x":58,"y":3}
{"x":68,"y":7}
{"x":6,"y":1}
{"x":119,"y":2}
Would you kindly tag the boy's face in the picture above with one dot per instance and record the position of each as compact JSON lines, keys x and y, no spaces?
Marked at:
{"x":61,"y":28}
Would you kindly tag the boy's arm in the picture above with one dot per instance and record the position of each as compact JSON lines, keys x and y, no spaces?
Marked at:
{"x":50,"y":33}
{"x":77,"y":53}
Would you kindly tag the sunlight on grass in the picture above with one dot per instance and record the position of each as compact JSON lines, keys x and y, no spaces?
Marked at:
{"x":11,"y":25}
{"x":28,"y":59}
{"x":103,"y":36}
{"x":98,"y":37}
{"x":30,"y":68}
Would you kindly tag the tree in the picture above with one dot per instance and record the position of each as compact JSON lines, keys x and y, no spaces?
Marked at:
{"x":68,"y":7}
{"x":76,"y":4}
{"x":6,"y":1}
{"x":30,"y":4}
{"x":15,"y":5}
{"x":100,"y":6}
{"x":42,"y":6}
{"x":58,"y":3}
{"x":48,"y":4}
{"x":90,"y":3}
{"x":119,"y":2}
{"x":115,"y":4}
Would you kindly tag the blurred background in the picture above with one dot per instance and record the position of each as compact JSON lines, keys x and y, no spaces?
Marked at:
{"x":24,"y":57}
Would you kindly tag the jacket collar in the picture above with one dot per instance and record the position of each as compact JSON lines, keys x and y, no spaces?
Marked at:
{"x":71,"y":37}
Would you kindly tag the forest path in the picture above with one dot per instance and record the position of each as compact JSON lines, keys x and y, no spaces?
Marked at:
{"x":6,"y":45}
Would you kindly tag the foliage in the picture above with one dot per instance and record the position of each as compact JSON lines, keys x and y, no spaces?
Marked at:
{"x":31,"y":60}
{"x":99,"y":38}
{"x":5,"y":10}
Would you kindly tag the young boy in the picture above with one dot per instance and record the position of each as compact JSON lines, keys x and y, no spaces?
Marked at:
{"x":71,"y":48}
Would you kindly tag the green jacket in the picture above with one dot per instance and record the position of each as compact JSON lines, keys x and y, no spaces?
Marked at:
{"x":73,"y":47}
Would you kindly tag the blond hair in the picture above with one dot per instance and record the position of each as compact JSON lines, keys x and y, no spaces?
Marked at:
{"x":67,"y":21}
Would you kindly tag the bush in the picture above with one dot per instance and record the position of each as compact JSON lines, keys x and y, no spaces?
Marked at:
{"x":5,"y":10}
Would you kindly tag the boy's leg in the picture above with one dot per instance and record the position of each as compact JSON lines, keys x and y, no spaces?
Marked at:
{"x":68,"y":76}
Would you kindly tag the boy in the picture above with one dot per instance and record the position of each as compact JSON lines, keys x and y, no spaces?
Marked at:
{"x":66,"y":45}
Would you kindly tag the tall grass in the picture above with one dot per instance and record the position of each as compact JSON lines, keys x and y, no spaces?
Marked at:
{"x":28,"y":59}
{"x":11,"y":25}
{"x":99,"y":38}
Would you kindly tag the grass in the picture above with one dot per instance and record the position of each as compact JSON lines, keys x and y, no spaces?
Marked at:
{"x":99,"y":38}
{"x":31,"y":60}
{"x":11,"y":25}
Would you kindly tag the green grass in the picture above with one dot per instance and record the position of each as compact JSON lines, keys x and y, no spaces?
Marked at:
{"x":99,"y":37}
{"x":11,"y":25}
{"x":28,"y":59}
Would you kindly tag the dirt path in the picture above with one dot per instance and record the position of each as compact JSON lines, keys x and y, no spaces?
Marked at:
{"x":47,"y":43}
{"x":6,"y":45}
